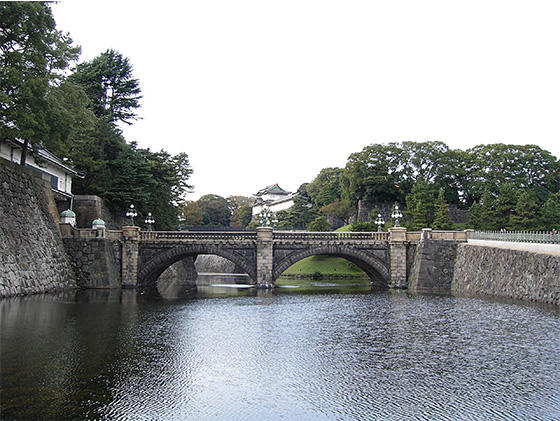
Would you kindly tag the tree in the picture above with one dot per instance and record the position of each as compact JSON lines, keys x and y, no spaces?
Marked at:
{"x":474,"y":221}
{"x":339,"y":209}
{"x":325,"y":188}
{"x":242,"y":216}
{"x":215,"y":210}
{"x":359,"y":225}
{"x":421,"y":203}
{"x":487,"y":212}
{"x":301,"y":213}
{"x":505,"y":204}
{"x":550,"y":213}
{"x":193,"y":214}
{"x":33,"y":57}
{"x":319,"y":224}
{"x":442,"y":220}
{"x":108,"y":81}
{"x":525,"y":216}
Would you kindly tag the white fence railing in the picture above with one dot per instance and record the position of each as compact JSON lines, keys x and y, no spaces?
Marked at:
{"x":544,"y":237}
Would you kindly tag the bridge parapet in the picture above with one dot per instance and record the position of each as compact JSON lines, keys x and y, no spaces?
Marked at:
{"x":305,"y":236}
{"x":213,"y":236}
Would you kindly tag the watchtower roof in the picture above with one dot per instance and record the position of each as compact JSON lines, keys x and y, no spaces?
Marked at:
{"x":273,"y":189}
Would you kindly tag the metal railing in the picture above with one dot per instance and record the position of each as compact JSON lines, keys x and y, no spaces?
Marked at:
{"x":543,"y":237}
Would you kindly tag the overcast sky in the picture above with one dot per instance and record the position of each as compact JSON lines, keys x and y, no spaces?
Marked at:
{"x":262,"y":92}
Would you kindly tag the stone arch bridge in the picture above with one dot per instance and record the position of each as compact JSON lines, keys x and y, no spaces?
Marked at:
{"x":265,"y":254}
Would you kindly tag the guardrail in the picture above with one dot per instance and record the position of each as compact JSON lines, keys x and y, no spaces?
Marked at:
{"x":543,"y":237}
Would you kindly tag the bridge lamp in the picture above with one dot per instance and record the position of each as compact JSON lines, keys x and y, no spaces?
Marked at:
{"x":396,"y":215}
{"x":131,"y":213}
{"x":379,"y":221}
{"x":274,"y":221}
{"x":181,"y":218}
{"x":150,"y":220}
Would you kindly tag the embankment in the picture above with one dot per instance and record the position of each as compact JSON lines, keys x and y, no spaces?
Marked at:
{"x":32,"y":256}
{"x":506,"y":272}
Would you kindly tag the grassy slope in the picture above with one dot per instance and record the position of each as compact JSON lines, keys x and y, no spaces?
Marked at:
{"x":326,"y":265}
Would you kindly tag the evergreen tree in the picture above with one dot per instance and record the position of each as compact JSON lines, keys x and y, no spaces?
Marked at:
{"x":421,"y":200}
{"x":109,"y":83}
{"x":474,"y":221}
{"x":442,"y":220}
{"x":505,"y":205}
{"x":487,"y":218}
{"x":525,"y":216}
{"x":550,"y":213}
{"x":319,"y":224}
{"x":33,"y":58}
{"x":359,"y":225}
{"x":418,"y":218}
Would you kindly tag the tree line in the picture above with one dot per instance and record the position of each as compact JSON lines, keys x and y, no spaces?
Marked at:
{"x":73,"y":109}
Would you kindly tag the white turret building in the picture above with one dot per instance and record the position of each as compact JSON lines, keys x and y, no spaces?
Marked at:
{"x":274,"y":198}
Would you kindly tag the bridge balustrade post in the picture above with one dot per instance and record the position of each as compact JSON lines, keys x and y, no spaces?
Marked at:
{"x":397,"y":250}
{"x":129,"y":267}
{"x":265,"y":257}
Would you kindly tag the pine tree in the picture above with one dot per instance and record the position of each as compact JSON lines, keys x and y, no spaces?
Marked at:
{"x":442,"y":220}
{"x":550,"y":213}
{"x":487,"y":212}
{"x":525,"y":216}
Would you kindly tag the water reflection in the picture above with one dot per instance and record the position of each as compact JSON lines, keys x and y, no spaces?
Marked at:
{"x":232,"y":352}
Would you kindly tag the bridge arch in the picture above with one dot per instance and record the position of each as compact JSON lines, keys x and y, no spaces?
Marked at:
{"x":377,"y":270}
{"x":149,"y":272}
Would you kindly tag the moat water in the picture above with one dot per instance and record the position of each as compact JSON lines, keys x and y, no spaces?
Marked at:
{"x":224,"y":353}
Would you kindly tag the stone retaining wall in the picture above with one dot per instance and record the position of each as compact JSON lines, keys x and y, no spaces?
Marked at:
{"x":32,"y":256}
{"x":507,"y":273}
{"x":433,"y":266}
{"x":96,"y":261}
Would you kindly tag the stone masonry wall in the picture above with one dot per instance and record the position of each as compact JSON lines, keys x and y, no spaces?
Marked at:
{"x":32,"y":256}
{"x":433,"y":266}
{"x":96,"y":261}
{"x":498,"y":272}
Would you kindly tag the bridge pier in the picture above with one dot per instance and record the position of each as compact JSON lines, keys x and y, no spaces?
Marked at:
{"x":129,"y":267}
{"x":265,"y":257}
{"x":397,"y":251}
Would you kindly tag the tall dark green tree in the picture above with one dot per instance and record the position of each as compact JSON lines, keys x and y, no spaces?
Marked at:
{"x":550,"y":213}
{"x":525,"y":216}
{"x":442,"y":220}
{"x":109,"y":83}
{"x":33,"y":57}
{"x":421,"y":204}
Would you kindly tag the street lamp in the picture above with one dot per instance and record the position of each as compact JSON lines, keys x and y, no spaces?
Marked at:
{"x":379,"y":221}
{"x":396,"y":215}
{"x":150,"y":220}
{"x":131,"y":213}
{"x":181,"y":219}
{"x":265,"y":216}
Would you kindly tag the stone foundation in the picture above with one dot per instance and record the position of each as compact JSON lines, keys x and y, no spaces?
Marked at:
{"x":507,"y":273}
{"x":32,"y":256}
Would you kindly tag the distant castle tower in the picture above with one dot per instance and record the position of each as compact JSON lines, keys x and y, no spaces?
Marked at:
{"x":274,"y":198}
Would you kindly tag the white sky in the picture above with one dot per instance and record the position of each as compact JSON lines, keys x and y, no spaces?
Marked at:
{"x":261,"y":92}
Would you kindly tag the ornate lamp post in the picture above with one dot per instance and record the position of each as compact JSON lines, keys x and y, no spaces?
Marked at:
{"x":181,"y":219}
{"x":150,"y":220}
{"x":396,"y":215}
{"x":379,"y":221}
{"x":131,"y":213}
{"x":266,"y":216}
